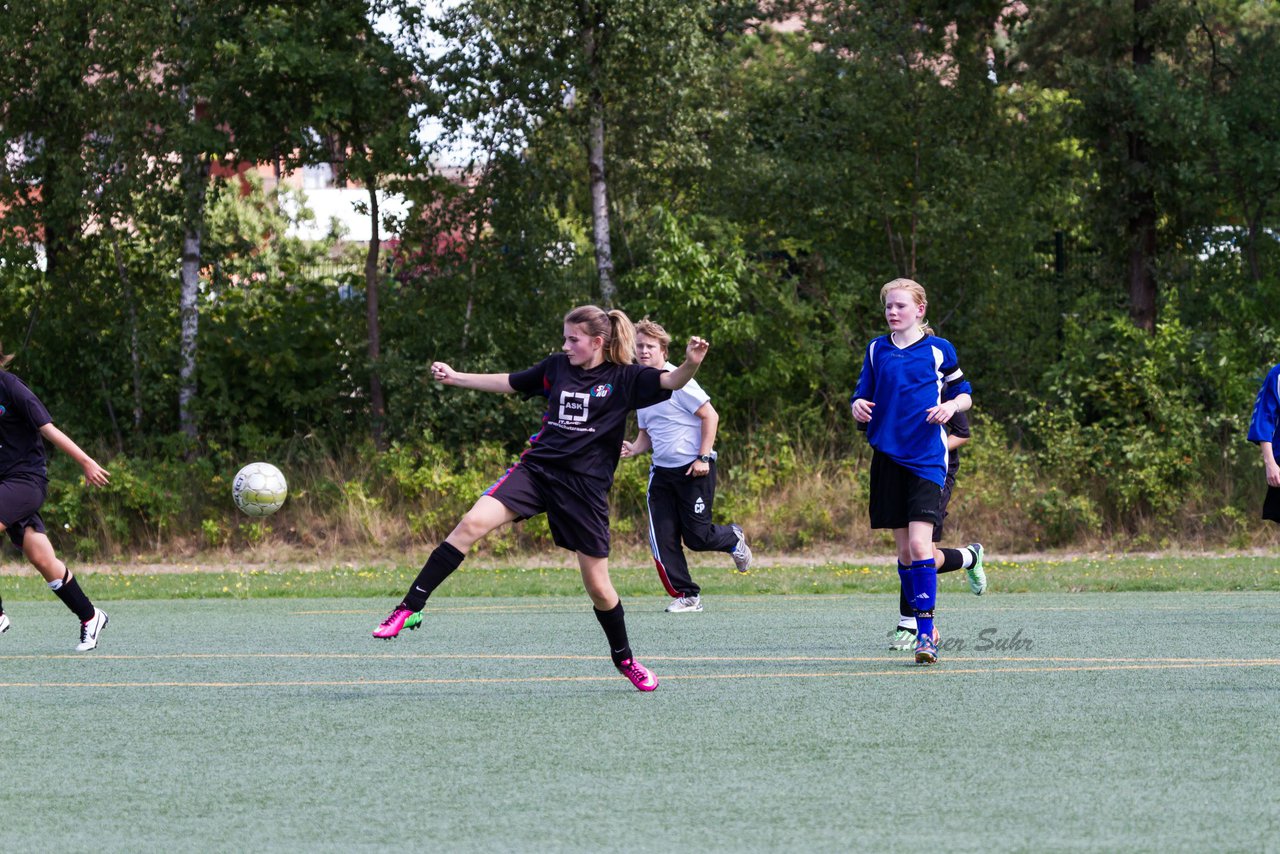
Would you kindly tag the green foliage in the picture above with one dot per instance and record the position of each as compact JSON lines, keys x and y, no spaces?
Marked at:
{"x":443,"y":481}
{"x":1063,"y":518}
{"x":1120,"y":423}
{"x":148,"y":502}
{"x":763,"y":184}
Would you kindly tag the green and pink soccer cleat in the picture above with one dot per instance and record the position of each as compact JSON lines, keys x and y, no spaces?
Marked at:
{"x":399,"y":619}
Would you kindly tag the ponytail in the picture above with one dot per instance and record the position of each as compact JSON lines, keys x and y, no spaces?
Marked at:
{"x":4,"y":359}
{"x":621,"y":348}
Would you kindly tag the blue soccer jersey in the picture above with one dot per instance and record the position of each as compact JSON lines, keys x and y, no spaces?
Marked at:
{"x":904,"y":383}
{"x":1265,"y":424}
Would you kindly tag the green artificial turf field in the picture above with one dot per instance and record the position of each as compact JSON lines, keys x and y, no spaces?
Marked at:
{"x":1137,"y":721}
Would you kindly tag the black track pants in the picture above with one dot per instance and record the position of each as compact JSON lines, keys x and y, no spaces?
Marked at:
{"x":680,"y":510}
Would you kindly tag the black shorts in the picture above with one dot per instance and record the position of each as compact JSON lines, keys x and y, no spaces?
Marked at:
{"x":577,"y":507}
{"x":947,"y":486}
{"x":900,"y":496}
{"x":20,"y":501}
{"x":1271,"y":504}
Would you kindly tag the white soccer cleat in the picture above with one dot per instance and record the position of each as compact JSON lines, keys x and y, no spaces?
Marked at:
{"x":685,"y":604}
{"x":742,"y":551}
{"x":92,"y":630}
{"x":4,"y":622}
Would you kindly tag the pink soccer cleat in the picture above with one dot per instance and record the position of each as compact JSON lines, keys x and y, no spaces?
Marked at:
{"x":391,"y":626}
{"x":640,"y":676}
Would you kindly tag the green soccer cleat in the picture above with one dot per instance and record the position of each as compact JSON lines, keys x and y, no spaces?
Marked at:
{"x":903,"y":640}
{"x":977,"y":578}
{"x":415,"y":620}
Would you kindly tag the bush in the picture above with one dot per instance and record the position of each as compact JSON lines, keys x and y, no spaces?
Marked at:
{"x":1120,"y":426}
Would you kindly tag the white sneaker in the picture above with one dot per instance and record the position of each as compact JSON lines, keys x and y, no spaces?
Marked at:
{"x":742,"y":551}
{"x":92,"y":630}
{"x":685,"y":603}
{"x":4,"y":623}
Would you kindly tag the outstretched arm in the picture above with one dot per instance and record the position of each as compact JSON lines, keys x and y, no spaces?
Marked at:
{"x":445,"y":375}
{"x":693,"y":356}
{"x":93,"y":473}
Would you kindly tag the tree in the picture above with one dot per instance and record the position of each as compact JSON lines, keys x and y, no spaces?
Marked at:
{"x":623,"y":79}
{"x":1243,"y":64}
{"x":369,"y":118}
{"x":881,"y":140}
{"x":1125,"y":65}
{"x":249,"y":82}
{"x":65,"y":69}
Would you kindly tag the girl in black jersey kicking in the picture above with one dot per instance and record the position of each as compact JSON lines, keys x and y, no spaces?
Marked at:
{"x":567,"y":470}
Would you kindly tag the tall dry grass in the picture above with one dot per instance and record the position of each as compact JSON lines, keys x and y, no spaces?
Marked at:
{"x":805,"y":500}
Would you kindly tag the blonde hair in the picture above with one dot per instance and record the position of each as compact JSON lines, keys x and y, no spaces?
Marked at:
{"x":917,"y":293}
{"x":4,"y":360}
{"x":614,"y":327}
{"x":649,"y":329}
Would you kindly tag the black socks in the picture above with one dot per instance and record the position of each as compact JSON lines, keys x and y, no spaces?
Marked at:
{"x":68,"y":590}
{"x":439,"y":566}
{"x":952,"y":559}
{"x":615,"y":629}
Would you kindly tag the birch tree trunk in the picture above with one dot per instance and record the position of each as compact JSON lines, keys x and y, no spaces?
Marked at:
{"x":377,"y":406}
{"x":593,"y":28}
{"x":196,"y":177}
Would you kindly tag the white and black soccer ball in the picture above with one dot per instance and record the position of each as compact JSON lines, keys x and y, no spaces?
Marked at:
{"x":259,"y":489}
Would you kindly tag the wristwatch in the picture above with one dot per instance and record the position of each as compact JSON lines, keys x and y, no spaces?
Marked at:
{"x":704,"y":458}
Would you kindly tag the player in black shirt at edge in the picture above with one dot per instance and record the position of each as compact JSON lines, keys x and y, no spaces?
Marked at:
{"x":24,"y":482}
{"x":568,"y":468}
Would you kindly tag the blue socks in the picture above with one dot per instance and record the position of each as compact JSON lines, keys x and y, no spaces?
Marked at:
{"x":906,"y":609}
{"x":920,"y":582}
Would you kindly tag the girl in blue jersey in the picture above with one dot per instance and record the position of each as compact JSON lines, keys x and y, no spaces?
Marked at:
{"x":1264,"y":429}
{"x":911,"y":385}
{"x":567,"y":471}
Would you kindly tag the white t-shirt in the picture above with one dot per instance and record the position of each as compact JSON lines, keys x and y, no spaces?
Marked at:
{"x":673,"y":428}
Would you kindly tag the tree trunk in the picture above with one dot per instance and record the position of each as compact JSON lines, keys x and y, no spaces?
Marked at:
{"x":592,"y":32}
{"x":477,"y":233}
{"x":1251,"y":247}
{"x":1141,"y":229}
{"x":196,"y":177}
{"x":135,"y":358}
{"x":377,"y":407}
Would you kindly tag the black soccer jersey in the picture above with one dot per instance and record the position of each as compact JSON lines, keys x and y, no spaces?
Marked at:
{"x":586,"y":417}
{"x":21,"y":417}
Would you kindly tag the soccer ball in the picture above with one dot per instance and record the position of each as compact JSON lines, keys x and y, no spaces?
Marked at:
{"x":259,"y":489}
